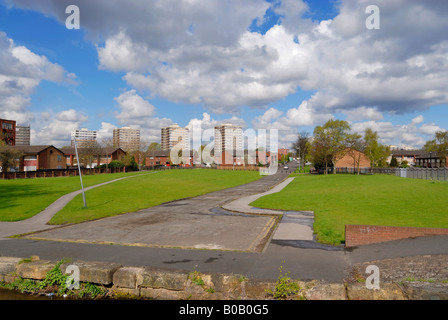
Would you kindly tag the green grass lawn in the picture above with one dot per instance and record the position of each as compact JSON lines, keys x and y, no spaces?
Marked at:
{"x":339,"y":199}
{"x":146,"y":191}
{"x":23,"y":198}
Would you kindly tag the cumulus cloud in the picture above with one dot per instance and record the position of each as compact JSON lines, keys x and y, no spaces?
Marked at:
{"x":134,"y":109}
{"x":182,"y":51}
{"x":204,"y":53}
{"x":56,"y":130}
{"x":21,"y":72}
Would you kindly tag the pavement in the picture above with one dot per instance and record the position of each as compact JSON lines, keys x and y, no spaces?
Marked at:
{"x":232,"y":237}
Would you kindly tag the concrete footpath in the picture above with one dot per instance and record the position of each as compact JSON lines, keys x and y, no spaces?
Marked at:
{"x":231,"y":241}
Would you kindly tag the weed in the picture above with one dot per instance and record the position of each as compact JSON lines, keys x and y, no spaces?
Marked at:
{"x":55,"y":282}
{"x":195,"y":277}
{"x":285,"y":287}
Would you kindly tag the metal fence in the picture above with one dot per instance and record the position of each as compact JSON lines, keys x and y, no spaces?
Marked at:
{"x":440,"y":174}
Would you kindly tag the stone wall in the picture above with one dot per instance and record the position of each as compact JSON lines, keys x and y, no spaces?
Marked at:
{"x":160,"y":284}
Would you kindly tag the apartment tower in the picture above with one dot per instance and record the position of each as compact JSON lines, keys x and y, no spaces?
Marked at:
{"x":84,"y":138}
{"x":23,"y":135}
{"x":228,"y":142}
{"x":127,"y":138}
{"x":173,"y":135}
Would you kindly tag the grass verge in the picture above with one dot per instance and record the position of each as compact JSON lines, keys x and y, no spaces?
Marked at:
{"x":385,"y":200}
{"x":23,"y":198}
{"x":147,"y":191}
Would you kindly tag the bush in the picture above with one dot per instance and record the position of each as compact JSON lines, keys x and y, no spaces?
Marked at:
{"x":114,"y":164}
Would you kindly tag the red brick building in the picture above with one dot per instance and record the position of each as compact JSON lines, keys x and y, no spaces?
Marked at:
{"x":352,"y":159}
{"x":97,"y":157}
{"x":40,"y":157}
{"x":8,"y":131}
{"x":163,"y":158}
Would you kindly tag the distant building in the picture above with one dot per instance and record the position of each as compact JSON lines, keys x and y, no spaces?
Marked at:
{"x":405,"y":155}
{"x":92,"y":158}
{"x":41,"y":157}
{"x":127,"y":138}
{"x":352,"y":158}
{"x":174,"y":135}
{"x":84,"y":138}
{"x":431,"y":160}
{"x":8,"y":131}
{"x":282,"y":152}
{"x":229,"y":144}
{"x":23,"y":135}
{"x":163,"y":158}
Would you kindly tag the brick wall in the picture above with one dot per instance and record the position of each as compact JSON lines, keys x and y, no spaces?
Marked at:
{"x":348,"y":161}
{"x":356,"y":235}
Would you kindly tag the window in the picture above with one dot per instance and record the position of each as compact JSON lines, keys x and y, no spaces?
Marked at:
{"x":59,"y":158}
{"x":7,"y":126}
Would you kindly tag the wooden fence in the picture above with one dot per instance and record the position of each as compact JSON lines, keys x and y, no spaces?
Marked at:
{"x":56,"y":173}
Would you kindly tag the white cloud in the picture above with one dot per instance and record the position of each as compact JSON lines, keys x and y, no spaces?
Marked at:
{"x":134,"y":110}
{"x":202,"y":52}
{"x":429,"y":129}
{"x":363,"y":113}
{"x":407,"y":135}
{"x":21,"y":72}
{"x":418,"y":119}
{"x":56,"y":130}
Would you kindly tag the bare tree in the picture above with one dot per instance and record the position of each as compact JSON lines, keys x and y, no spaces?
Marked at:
{"x":9,"y":156}
{"x":302,"y":147}
{"x":355,"y":149}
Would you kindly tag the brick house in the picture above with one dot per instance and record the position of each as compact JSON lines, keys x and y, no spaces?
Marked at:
{"x":406,"y":155}
{"x":430,"y":160}
{"x":352,"y":159}
{"x":163,"y":158}
{"x":40,"y":157}
{"x":96,"y":157}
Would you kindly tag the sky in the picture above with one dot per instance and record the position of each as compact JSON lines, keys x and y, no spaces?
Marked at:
{"x":288,"y":65}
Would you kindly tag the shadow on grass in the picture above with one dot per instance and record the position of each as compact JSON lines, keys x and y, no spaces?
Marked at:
{"x":12,"y":197}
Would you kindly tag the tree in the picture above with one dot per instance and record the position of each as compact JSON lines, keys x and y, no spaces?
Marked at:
{"x":439,"y":145}
{"x":302,"y":147}
{"x":9,"y":156}
{"x":89,"y":154}
{"x":105,"y":145}
{"x":356,"y":145}
{"x":394,"y":162}
{"x":376,"y":152}
{"x":329,"y":142}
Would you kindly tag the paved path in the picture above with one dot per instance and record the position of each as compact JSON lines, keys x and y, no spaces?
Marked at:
{"x":39,"y":221}
{"x":293,"y":226}
{"x":198,"y":223}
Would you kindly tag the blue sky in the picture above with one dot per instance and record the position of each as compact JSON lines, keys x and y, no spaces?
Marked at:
{"x":281,"y":64}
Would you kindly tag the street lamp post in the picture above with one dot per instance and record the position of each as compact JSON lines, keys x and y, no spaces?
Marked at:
{"x":80,"y":175}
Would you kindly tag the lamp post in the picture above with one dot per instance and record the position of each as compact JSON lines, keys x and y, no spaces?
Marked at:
{"x":80,"y":175}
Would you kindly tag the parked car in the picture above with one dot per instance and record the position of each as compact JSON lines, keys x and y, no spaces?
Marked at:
{"x":285,"y":168}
